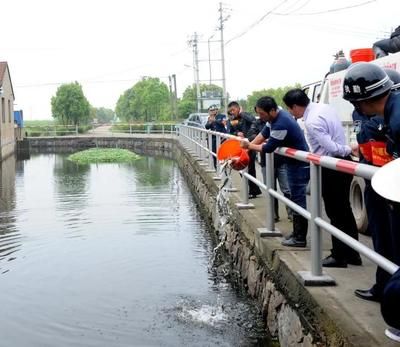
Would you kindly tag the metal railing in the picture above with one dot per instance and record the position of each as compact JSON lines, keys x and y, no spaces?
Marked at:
{"x":51,"y":130}
{"x":198,"y":141}
{"x":144,"y":128}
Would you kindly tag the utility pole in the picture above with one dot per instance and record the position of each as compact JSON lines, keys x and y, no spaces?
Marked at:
{"x":171,"y":95}
{"x":175,"y":96}
{"x":221,"y":28}
{"x":209,"y":57}
{"x":194,"y":43}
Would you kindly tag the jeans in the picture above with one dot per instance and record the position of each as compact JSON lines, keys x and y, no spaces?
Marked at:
{"x":298,"y":177}
{"x":282,"y":176}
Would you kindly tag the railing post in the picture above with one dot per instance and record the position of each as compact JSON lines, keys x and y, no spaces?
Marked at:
{"x":244,"y":204}
{"x":217,"y":177}
{"x":76,"y":129}
{"x":130,"y":129}
{"x":162,"y":128}
{"x":316,"y":277}
{"x":210,"y":156}
{"x":270,"y":183}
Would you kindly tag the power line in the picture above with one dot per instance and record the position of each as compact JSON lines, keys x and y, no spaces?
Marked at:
{"x":325,"y":11}
{"x":256,"y":22}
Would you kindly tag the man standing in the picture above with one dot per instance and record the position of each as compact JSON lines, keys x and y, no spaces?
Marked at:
{"x":215,"y":122}
{"x":368,"y":88}
{"x":285,"y":132}
{"x":280,"y":169}
{"x":371,"y":134}
{"x":240,"y":124}
{"x":325,"y":135}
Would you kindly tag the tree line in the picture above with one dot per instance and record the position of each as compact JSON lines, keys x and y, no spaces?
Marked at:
{"x":148,"y":100}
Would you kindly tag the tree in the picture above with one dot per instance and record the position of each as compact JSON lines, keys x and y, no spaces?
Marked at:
{"x":188,"y":103}
{"x":147,"y":100}
{"x":70,"y":106}
{"x":277,"y":94}
{"x":103,"y":115}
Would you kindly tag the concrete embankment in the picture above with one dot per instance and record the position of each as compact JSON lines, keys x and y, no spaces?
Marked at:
{"x":297,"y":315}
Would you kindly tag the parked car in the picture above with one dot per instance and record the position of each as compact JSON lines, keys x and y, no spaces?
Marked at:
{"x":196,"y":120}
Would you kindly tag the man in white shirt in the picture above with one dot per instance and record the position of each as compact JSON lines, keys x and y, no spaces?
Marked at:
{"x":325,"y":136}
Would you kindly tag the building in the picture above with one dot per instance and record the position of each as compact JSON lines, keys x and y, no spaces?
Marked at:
{"x":7,"y":136}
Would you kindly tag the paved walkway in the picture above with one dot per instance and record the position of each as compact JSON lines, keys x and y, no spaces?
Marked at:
{"x":357,"y":317}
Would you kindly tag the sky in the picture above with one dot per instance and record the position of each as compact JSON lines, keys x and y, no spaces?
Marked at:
{"x":108,"y":46}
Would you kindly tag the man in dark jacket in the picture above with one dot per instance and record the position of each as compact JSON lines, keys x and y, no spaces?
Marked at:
{"x":239,"y":124}
{"x":215,"y":122}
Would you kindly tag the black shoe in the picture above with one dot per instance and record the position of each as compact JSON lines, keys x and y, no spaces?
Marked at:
{"x":277,"y":219}
{"x":252,"y":196}
{"x":354,"y":261}
{"x":367,"y":294}
{"x":293,"y":242}
{"x":332,"y":262}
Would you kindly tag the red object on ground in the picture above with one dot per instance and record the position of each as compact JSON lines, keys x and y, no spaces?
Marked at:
{"x":362,"y":54}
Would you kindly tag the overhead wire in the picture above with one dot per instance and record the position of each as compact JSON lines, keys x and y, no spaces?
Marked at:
{"x":256,"y":22}
{"x":325,"y":11}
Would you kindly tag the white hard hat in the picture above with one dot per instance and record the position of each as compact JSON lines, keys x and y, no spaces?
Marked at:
{"x":386,"y":181}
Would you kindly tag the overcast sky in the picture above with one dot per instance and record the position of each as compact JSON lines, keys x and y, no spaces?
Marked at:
{"x":107,"y":46}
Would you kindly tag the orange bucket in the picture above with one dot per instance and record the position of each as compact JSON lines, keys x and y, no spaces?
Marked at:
{"x":229,"y":149}
{"x":362,"y":54}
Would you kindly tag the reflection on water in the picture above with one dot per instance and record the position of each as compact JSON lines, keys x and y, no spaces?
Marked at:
{"x":10,"y":239}
{"x":110,"y":255}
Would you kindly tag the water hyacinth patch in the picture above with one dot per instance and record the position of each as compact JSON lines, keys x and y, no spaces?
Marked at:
{"x":104,"y":155}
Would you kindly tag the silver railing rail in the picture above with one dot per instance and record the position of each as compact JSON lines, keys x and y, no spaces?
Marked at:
{"x":199,"y":142}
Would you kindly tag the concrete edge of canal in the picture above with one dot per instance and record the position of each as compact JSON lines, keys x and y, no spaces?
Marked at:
{"x":291,"y":311}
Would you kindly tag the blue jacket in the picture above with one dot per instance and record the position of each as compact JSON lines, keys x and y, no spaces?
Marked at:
{"x":218,"y":124}
{"x":284,"y":132}
{"x":392,"y":122}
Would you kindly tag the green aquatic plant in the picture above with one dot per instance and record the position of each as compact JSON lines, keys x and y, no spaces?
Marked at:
{"x":104,"y":155}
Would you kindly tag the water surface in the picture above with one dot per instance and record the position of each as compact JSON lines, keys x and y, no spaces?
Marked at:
{"x":110,"y":255}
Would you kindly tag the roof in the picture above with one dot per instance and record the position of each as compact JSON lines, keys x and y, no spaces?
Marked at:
{"x":3,"y":69}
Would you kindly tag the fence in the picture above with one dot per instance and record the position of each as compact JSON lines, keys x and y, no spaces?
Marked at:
{"x":51,"y":130}
{"x":198,"y":141}
{"x":144,"y":128}
{"x":70,"y":130}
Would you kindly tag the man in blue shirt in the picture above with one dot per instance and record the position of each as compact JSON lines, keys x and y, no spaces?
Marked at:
{"x":325,"y":135}
{"x":285,"y":132}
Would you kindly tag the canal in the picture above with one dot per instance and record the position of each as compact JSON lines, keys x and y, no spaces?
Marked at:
{"x":111,"y":255}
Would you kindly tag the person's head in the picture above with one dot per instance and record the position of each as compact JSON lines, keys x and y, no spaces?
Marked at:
{"x":367,"y":86}
{"x":267,"y":108}
{"x":234,"y":109}
{"x":394,"y":77}
{"x":213,"y":110}
{"x":296,"y":101}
